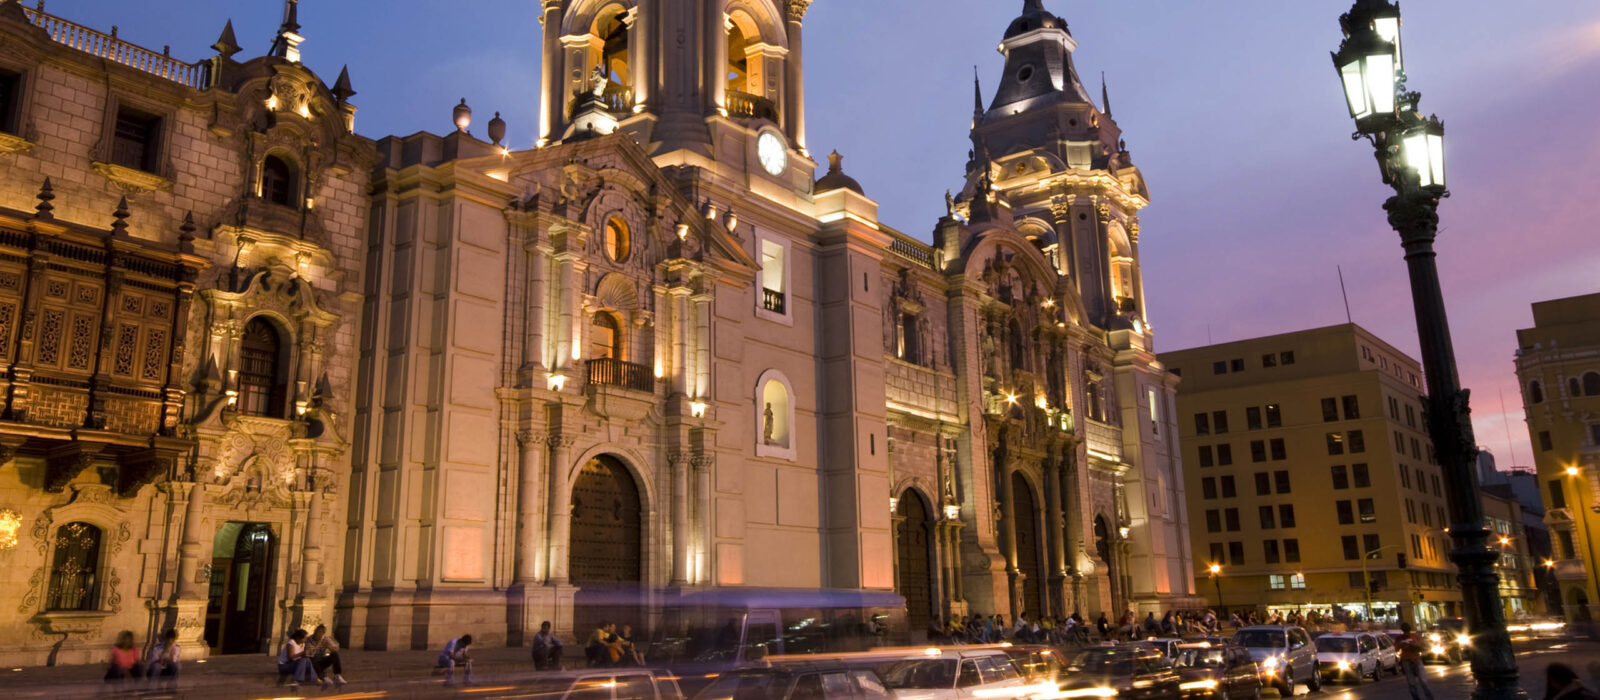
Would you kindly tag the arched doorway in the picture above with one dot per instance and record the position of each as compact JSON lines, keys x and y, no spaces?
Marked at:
{"x":1026,"y":508}
{"x":912,"y":554}
{"x":239,"y":604}
{"x":606,"y":545}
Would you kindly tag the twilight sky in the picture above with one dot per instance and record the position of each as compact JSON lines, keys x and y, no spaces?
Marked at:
{"x":1232,"y":110}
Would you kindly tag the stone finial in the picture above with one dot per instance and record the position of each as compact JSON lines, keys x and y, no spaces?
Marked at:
{"x":497,"y":129}
{"x":119,"y":227}
{"x":227,"y":44}
{"x":44,"y":207}
{"x":462,"y":115}
{"x":186,"y":233}
{"x":1105,"y":94}
{"x":341,"y":87}
{"x":286,"y":44}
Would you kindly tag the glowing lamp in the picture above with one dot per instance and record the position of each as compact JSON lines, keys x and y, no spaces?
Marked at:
{"x":1424,"y":152}
{"x":1216,"y":569}
{"x":697,"y":409}
{"x":10,"y":525}
{"x":952,"y":512}
{"x":555,"y":381}
{"x":1366,"y":65}
{"x":1572,"y":471}
{"x":894,"y":504}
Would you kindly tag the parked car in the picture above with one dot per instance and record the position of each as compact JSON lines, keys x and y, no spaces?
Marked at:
{"x":947,"y":674}
{"x":1447,"y":641}
{"x":602,"y":684}
{"x":1388,"y":653}
{"x":793,"y":681}
{"x":1222,"y":671}
{"x":1284,"y":654}
{"x":1130,"y":671}
{"x":1168,"y":646}
{"x":1348,"y":656}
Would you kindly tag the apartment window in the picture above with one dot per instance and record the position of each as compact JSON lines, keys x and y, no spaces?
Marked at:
{"x":135,"y":140}
{"x":1416,"y":545}
{"x":1224,"y":455}
{"x":1286,"y":515}
{"x":1330,"y":410}
{"x":1269,"y":552}
{"x":1279,"y":452}
{"x":1275,"y":581}
{"x":1399,"y":442}
{"x":1206,"y":459}
{"x":1282,"y":478}
{"x":1394,"y":408}
{"x":1436,"y":490}
{"x":774,"y":278}
{"x":1227,"y":487}
{"x":1263,"y":484}
{"x":1219,"y":421}
{"x":1352,"y":548}
{"x":1231,"y":515}
{"x":1341,"y":479}
{"x":1219,"y":368}
{"x":1405,"y":476}
{"x":1411,"y":512}
{"x":1358,"y":442}
{"x":1202,"y":424}
{"x":1269,"y":360}
{"x":1411,"y":416}
{"x":1213,"y":521}
{"x":1544,"y":441}
{"x":1371,"y":543}
{"x":1252,"y":417}
{"x":1368,"y":511}
{"x":1236,"y":553}
{"x":1362,"y":477}
{"x":1427,"y":516}
{"x":1346,"y":513}
{"x":1286,"y":357}
{"x":1291,"y":555}
{"x":1237,"y":364}
{"x":10,"y":101}
{"x":1274,"y":416}
{"x":1416,"y":449}
{"x":1335,"y":443}
{"x":1296,"y":581}
{"x":1565,"y":544}
{"x":1258,"y":450}
{"x":1352,"y":407}
{"x":1208,"y":488}
{"x":1216,"y":552}
{"x":1268,"y":520}
{"x":1558,"y":495}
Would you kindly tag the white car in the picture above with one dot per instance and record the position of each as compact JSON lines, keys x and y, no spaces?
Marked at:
{"x":1351,"y":656}
{"x":1388,"y":654}
{"x":951,"y":674}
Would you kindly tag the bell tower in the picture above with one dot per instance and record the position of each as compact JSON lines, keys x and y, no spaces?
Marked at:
{"x":680,"y":75}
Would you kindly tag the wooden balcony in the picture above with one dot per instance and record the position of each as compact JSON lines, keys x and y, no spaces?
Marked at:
{"x":627,"y":375}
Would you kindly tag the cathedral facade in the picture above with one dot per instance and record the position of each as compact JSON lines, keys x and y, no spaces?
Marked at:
{"x":435,"y":385}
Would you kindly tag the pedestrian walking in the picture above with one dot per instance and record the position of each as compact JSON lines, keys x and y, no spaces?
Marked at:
{"x":293,"y":663}
{"x":546,"y":649}
{"x":124,"y":663}
{"x":457,"y":654}
{"x":324,"y":653}
{"x":1410,"y":647}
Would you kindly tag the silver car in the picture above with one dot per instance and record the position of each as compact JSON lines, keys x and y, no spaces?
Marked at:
{"x":1284,"y":654}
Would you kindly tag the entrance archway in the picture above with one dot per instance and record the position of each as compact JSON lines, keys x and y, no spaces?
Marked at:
{"x":1026,"y":508}
{"x":912,"y":554}
{"x":239,"y":603}
{"x":607,"y":559}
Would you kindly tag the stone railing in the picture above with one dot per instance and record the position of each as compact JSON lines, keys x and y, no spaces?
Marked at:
{"x":912,"y":250}
{"x":743,"y":105}
{"x":110,"y":48}
{"x":1103,"y":438}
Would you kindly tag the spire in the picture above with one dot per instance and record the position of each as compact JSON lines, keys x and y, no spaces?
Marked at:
{"x":286,"y":45}
{"x":45,"y":208}
{"x":341,"y":87}
{"x":227,"y":44}
{"x":1032,"y":6}
{"x":1105,"y":95}
{"x":977,"y":93}
{"x":119,"y":225}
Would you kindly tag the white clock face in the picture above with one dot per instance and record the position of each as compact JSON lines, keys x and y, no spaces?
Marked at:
{"x":773,"y":152}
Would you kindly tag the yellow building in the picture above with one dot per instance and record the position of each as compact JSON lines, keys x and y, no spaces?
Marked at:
{"x":1308,"y":456}
{"x":1558,"y":365}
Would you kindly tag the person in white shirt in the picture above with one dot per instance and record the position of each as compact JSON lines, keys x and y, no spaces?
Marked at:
{"x":293,"y":663}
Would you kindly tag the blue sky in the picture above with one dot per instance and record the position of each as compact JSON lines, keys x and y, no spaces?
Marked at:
{"x":1232,"y":109}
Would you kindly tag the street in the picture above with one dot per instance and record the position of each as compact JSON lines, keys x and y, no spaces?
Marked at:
{"x":1456,"y":681}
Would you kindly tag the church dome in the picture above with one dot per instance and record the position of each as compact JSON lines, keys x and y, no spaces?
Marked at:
{"x":836,"y":179}
{"x":1034,"y":16}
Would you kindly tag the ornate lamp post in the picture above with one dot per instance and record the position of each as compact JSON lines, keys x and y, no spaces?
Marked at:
{"x":1216,"y":579}
{"x":1410,"y":152}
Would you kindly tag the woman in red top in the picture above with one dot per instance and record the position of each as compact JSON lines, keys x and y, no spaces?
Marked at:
{"x":124,"y":659}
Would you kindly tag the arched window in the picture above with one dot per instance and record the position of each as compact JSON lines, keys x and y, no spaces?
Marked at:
{"x":617,"y":240}
{"x":277,"y":181}
{"x":1591,"y":383}
{"x":605,"y":338}
{"x":75,"y":568}
{"x":613,"y":50}
{"x":738,"y":62}
{"x":263,"y":370}
{"x":1535,"y":392}
{"x":774,"y":416}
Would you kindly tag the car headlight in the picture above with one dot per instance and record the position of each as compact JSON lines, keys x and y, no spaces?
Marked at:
{"x":1343,"y":665}
{"x":1434,"y":637}
{"x":1095,"y":692}
{"x":1271,"y":662}
{"x":1437,"y":649}
{"x":1207,"y":684}
{"x":1464,"y":639}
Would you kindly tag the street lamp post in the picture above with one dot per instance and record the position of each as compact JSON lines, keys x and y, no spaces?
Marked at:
{"x":1366,"y":576}
{"x":1583,"y":530}
{"x":1216,"y":580}
{"x":1410,"y":153}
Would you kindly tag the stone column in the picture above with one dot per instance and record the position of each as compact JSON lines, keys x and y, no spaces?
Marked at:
{"x":188,"y":611}
{"x":1054,"y":536}
{"x":528,"y":499}
{"x":1138,"y":277}
{"x":794,"y":102}
{"x":681,"y":533}
{"x":642,"y":50}
{"x":1007,"y":534}
{"x":311,"y":551}
{"x":680,"y":340}
{"x":702,"y":472}
{"x":535,"y":354}
{"x":550,"y":75}
{"x":716,"y":41}
{"x":566,"y":336}
{"x":560,"y":509}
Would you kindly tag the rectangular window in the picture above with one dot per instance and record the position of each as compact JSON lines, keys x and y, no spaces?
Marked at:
{"x":1416,"y":544}
{"x":1282,"y":478}
{"x":1269,"y":360}
{"x":1206,"y":459}
{"x":1208,"y":488}
{"x":1558,"y":495}
{"x":1296,"y":581}
{"x":1236,"y":553}
{"x":1400,"y":442}
{"x":1216,"y":552}
{"x":1258,"y":450}
{"x":1416,"y":449}
{"x":1269,"y":552}
{"x":1268,"y":519}
{"x":1436,"y":490}
{"x":1371,"y":543}
{"x":1213,"y":521}
{"x":1544,"y":441}
{"x":1231,"y":515}
{"x":1279,"y":452}
{"x":1286,"y":515}
{"x":1228,"y":490}
{"x":1357,"y":581}
{"x":1405,"y":476}
{"x":1346,"y":513}
{"x":1274,"y":581}
{"x":1202,"y":424}
{"x":1341,"y":480}
{"x":1219,"y":368}
{"x":1330,"y":410}
{"x":1335,"y":443}
{"x":1237,"y":364}
{"x":1368,"y":511}
{"x":1411,"y":511}
{"x":774,"y":271}
{"x":1291,"y":555}
{"x":1274,"y":416}
{"x":1564,"y":540}
{"x":1219,"y":421}
{"x":1286,"y":357}
{"x":1252,"y":417}
{"x":1394,"y":408}
{"x":1358,"y":443}
{"x":134,"y":141}
{"x":1427,"y":515}
{"x":1263,"y":484}
{"x":1352,"y":407}
{"x":10,"y":101}
{"x":1224,"y":454}
{"x":1363,"y":479}
{"x":1411,"y":417}
{"x":1352,"y":548}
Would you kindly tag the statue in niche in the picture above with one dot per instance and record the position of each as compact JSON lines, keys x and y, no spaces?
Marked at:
{"x":766,"y":424}
{"x":599,"y":80}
